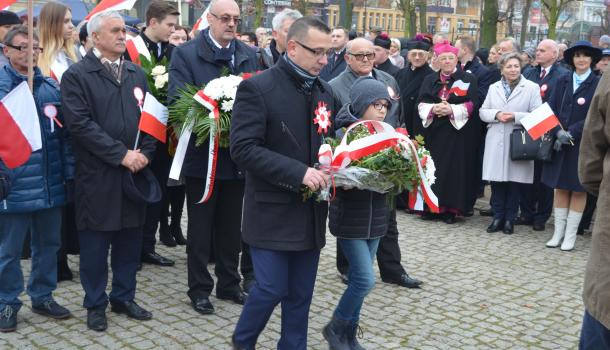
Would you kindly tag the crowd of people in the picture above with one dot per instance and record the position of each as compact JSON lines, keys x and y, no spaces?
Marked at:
{"x":90,"y":191}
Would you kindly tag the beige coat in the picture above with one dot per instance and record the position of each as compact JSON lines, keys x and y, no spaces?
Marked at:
{"x":497,"y":165}
{"x":594,"y":174}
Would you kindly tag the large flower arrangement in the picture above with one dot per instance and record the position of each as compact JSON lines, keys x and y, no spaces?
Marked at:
{"x":390,"y":164}
{"x":157,"y":76}
{"x":196,"y":107}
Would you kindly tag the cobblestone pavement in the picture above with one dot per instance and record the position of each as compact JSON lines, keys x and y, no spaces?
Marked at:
{"x":481,"y":291}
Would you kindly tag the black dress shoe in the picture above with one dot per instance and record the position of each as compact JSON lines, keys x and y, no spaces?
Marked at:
{"x":523,"y":221}
{"x":156,"y":259}
{"x":131,"y":309}
{"x":404,"y":281}
{"x":344,"y":278}
{"x":495,"y":226}
{"x":238,"y":298}
{"x":248,"y":283}
{"x":96,"y":319}
{"x":538,"y":226}
{"x":508,"y":228}
{"x":176,"y":231}
{"x":203,"y":306}
{"x":51,"y":308}
{"x":449,"y":218}
{"x":165,"y":237}
{"x":486,"y":212}
{"x":429,"y":216}
{"x":63,"y":271}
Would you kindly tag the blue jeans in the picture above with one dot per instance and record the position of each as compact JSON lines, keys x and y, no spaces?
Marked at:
{"x":594,"y":335}
{"x":45,"y":227}
{"x":282,"y":277}
{"x":360,"y":254}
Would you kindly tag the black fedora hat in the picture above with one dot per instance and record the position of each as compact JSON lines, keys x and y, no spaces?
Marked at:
{"x":587,"y":47}
{"x":141,"y":187}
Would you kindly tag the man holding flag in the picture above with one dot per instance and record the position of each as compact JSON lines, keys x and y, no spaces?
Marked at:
{"x":103,"y":97}
{"x":34,"y":144}
{"x":196,"y":63}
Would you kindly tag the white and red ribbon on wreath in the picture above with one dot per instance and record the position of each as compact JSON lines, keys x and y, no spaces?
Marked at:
{"x":385,"y":136}
{"x":212,"y":105}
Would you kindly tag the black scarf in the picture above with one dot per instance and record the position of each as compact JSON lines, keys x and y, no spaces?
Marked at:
{"x":274,"y":52}
{"x":222,"y":55}
{"x":305,"y":79}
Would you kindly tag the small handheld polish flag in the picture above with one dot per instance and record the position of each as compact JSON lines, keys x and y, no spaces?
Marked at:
{"x":153,"y":119}
{"x":539,"y":121}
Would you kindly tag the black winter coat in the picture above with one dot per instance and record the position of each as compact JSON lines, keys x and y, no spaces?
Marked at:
{"x":410,"y":82}
{"x":193,"y":64}
{"x":571,"y":108}
{"x":332,"y":69}
{"x":102,"y":116}
{"x":274,"y":139}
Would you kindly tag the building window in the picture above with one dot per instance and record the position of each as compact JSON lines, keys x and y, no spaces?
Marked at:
{"x":432,"y":25}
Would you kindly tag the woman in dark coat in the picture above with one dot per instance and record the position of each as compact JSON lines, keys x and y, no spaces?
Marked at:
{"x":358,"y":218}
{"x":570,"y":103}
{"x":452,"y":132}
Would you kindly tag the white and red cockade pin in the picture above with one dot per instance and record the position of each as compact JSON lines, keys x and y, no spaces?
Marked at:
{"x":139,"y":95}
{"x":50,"y":111}
{"x":581,"y":101}
{"x":322,"y":117}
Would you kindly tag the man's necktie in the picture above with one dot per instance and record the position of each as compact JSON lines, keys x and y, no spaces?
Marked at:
{"x":542,"y":74}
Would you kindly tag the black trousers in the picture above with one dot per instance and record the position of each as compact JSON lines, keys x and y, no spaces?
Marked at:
{"x":176,"y":196}
{"x":220,"y":216}
{"x":587,"y":215}
{"x":536,"y":199}
{"x":388,"y":253}
{"x":160,"y":167}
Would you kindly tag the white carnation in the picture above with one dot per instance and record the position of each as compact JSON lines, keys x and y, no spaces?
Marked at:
{"x":158,"y":70}
{"x":227,"y":105}
{"x":161,"y":80}
{"x":430,"y":171}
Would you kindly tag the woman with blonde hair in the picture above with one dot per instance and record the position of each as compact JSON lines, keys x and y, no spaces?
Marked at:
{"x":55,"y":30}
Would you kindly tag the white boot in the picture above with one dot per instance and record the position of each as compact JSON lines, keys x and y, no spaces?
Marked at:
{"x":561,"y":215}
{"x":571,"y":228}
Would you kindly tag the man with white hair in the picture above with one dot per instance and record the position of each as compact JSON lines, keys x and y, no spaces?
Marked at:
{"x":537,"y":199}
{"x":281,"y":25}
{"x":101,"y":98}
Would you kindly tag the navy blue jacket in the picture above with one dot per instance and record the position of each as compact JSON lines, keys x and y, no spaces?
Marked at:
{"x":332,"y":69}
{"x":571,"y":108}
{"x":5,"y":181}
{"x":40,"y":182}
{"x":549,"y":83}
{"x":193,"y":64}
{"x":483,"y":75}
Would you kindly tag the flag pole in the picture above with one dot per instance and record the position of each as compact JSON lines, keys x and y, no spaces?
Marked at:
{"x":31,"y":44}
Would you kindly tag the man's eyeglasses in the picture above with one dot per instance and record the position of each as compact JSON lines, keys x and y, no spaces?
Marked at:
{"x":228,"y":19}
{"x":23,"y":48}
{"x":315,"y":52}
{"x":379,"y":105}
{"x":361,"y":56}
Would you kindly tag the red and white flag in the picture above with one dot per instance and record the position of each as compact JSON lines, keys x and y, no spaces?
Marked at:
{"x":58,"y":70}
{"x":153,"y":119}
{"x":20,"y":126}
{"x":202,"y":22}
{"x":4,"y":4}
{"x":135,"y":47}
{"x":111,"y":5}
{"x":539,"y":121}
{"x":459,"y":88}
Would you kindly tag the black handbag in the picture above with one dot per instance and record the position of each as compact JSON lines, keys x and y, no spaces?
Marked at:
{"x":545,"y":152}
{"x":522,"y":146}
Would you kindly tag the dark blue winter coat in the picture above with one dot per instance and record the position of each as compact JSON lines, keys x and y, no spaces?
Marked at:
{"x":571,"y":108}
{"x":548,"y":85}
{"x":5,"y":181}
{"x":40,"y":182}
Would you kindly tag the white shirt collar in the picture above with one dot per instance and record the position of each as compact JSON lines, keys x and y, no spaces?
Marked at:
{"x":98,"y":54}
{"x":216,"y":42}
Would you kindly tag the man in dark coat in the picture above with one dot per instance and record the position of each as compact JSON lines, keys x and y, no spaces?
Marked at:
{"x":537,"y":199}
{"x":409,"y":81}
{"x":161,"y":19}
{"x":359,"y":65}
{"x":336,"y":60}
{"x":281,"y":24}
{"x":382,"y":44}
{"x":100,"y":97}
{"x":278,"y":150}
{"x":196,"y":63}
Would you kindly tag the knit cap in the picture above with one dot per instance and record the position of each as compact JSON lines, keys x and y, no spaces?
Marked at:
{"x":365,"y":91}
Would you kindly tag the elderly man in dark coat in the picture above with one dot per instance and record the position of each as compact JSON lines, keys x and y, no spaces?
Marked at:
{"x":100,"y":97}
{"x":196,"y":63}
{"x":279,"y":121}
{"x":360,"y":56}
